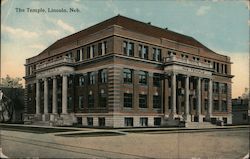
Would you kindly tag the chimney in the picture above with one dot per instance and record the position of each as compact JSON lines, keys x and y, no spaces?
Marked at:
{"x":149,"y":23}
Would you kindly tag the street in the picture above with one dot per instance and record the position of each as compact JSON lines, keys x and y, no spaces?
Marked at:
{"x":216,"y":144}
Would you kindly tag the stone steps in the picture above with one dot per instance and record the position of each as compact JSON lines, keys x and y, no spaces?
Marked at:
{"x":200,"y":125}
{"x":41,"y":123}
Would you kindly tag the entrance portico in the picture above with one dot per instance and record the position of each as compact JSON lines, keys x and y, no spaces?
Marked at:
{"x":46,"y":76}
{"x":186,"y":91}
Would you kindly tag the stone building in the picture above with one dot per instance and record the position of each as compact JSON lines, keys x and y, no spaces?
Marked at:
{"x":126,"y":73}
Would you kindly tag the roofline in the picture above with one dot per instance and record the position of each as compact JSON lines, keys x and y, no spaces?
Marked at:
{"x":144,"y":23}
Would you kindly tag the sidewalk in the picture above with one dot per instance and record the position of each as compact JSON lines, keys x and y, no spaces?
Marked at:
{"x":124,"y":131}
{"x":171,"y":143}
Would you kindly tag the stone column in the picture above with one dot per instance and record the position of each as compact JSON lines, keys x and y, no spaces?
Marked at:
{"x":103,"y":48}
{"x":173,"y":93}
{"x":91,"y":52}
{"x":45,"y":96}
{"x":54,"y":96}
{"x":64,"y":94}
{"x":210,"y":97}
{"x":37,"y":97}
{"x":188,"y":118}
{"x":198,"y":106}
{"x":166,"y":90}
{"x":81,"y":53}
{"x":198,"y":96}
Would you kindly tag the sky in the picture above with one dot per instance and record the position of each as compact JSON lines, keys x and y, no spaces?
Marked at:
{"x":221,"y":25}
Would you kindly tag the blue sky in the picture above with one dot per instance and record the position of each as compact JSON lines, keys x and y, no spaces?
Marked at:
{"x":221,"y":25}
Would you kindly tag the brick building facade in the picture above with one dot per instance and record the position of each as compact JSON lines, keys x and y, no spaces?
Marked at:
{"x":123,"y":73}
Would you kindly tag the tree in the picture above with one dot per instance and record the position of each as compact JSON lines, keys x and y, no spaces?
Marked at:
{"x":6,"y":108}
{"x":11,"y":82}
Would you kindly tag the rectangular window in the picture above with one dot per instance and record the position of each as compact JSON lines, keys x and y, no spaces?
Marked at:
{"x":224,"y":106}
{"x":224,"y":88}
{"x":125,"y":48}
{"x":105,"y":48}
{"x":143,"y":121}
{"x":143,"y":101}
{"x":127,"y":76}
{"x":143,"y":77}
{"x":157,"y":121}
{"x":102,"y":100}
{"x":90,"y":121}
{"x":244,"y":116}
{"x":194,"y":104}
{"x":78,"y":55}
{"x":127,"y":100}
{"x":145,"y":52}
{"x":194,"y":83}
{"x":79,"y":120}
{"x":156,"y":79}
{"x":92,"y":51}
{"x":70,"y":103}
{"x":91,"y":78}
{"x":103,"y":76}
{"x":206,"y":84}
{"x":215,"y":87}
{"x":218,"y":67}
{"x":82,"y":54}
{"x":88,"y":52}
{"x":99,"y":48}
{"x":101,"y":121}
{"x":140,"y":51}
{"x":156,"y":54}
{"x":205,"y":104}
{"x":156,"y":101}
{"x":70,"y":82}
{"x":130,"y":49}
{"x":91,"y":101}
{"x":81,"y":80}
{"x":80,"y":102}
{"x":216,"y":105}
{"x":128,"y":121}
{"x":225,"y":68}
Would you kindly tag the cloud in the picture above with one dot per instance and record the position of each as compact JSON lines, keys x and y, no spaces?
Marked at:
{"x":65,"y":26}
{"x":18,"y":32}
{"x":53,"y":32}
{"x":203,"y":10}
{"x":37,"y":46}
